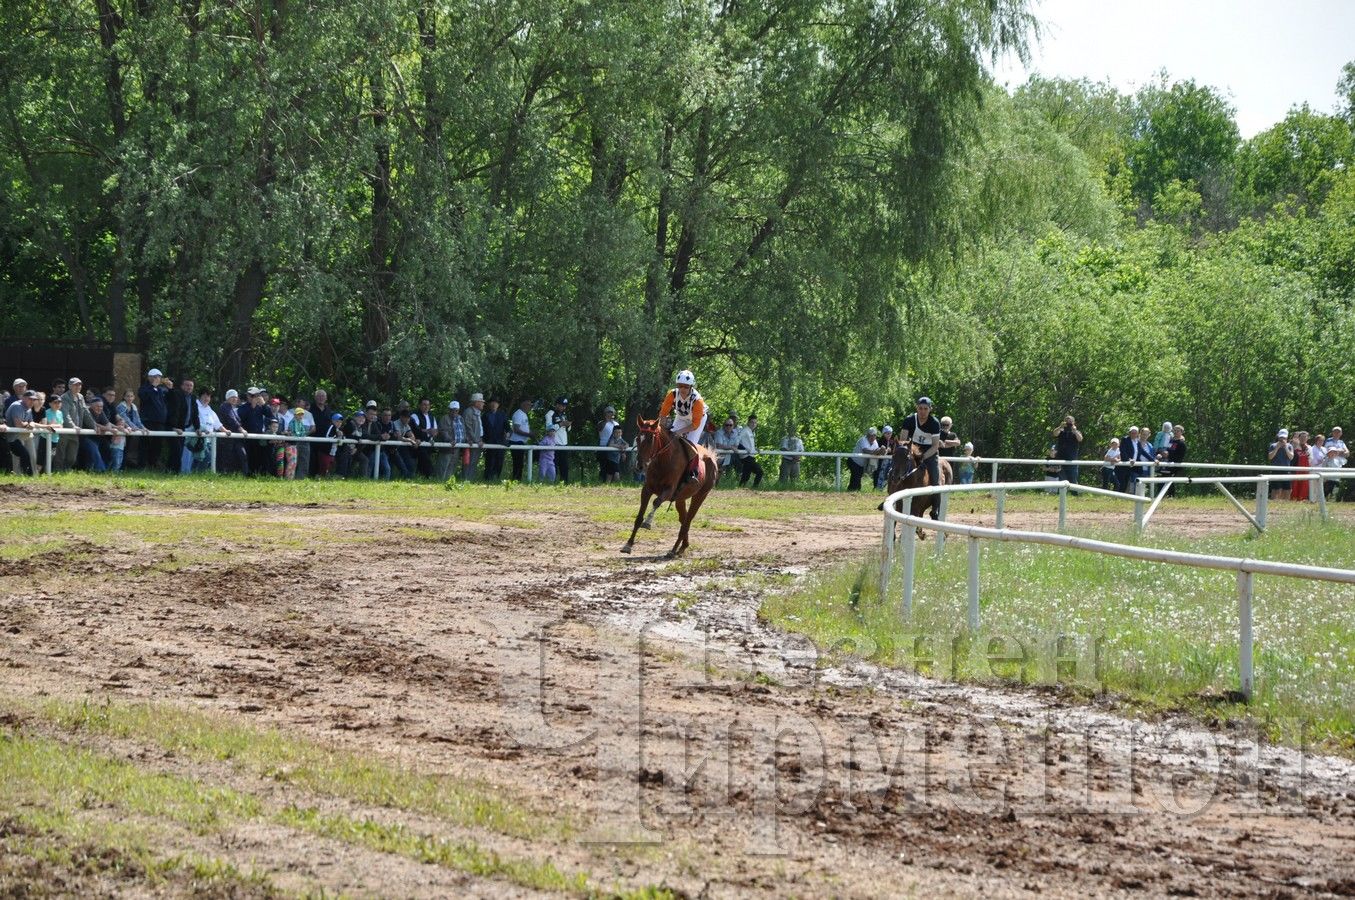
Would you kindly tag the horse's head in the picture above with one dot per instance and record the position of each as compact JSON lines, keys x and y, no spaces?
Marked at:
{"x":906,"y":471}
{"x":648,"y":440}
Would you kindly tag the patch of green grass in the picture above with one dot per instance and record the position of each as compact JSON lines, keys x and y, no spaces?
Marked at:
{"x":463,"y":856}
{"x":685,"y":600}
{"x":1160,"y":637}
{"x":304,"y":763}
{"x":63,"y":532}
{"x":694,"y":565}
{"x":42,"y":772}
{"x":47,"y":775}
{"x":42,"y":848}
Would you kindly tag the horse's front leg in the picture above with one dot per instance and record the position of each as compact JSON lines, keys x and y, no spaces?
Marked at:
{"x":649,"y":519}
{"x":639,"y":517}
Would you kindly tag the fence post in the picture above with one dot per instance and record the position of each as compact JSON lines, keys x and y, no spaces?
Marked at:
{"x":1138,"y":505}
{"x":376,"y":463}
{"x":1152,"y":473}
{"x":909,"y":558}
{"x":1245,"y":588}
{"x":994,"y":473}
{"x":837,"y":474}
{"x":211,"y":449}
{"x":1321,"y":495}
{"x":1001,"y":507}
{"x":1262,"y":503}
{"x":886,"y":557}
{"x":974,"y":584}
{"x":530,"y":454}
{"x":1063,"y":507}
{"x":941,"y":517}
{"x":49,"y":454}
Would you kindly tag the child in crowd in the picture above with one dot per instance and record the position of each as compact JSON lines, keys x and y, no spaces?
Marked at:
{"x":54,"y":418}
{"x":296,"y":427}
{"x":547,"y":457}
{"x":1108,"y":462}
{"x":966,"y":468}
{"x":277,"y":449}
{"x":1053,"y":470}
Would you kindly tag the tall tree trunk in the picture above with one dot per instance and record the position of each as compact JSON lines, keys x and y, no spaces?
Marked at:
{"x":651,"y":364}
{"x":376,"y":308}
{"x":251,"y":281}
{"x":110,"y":25}
{"x":245,"y":300}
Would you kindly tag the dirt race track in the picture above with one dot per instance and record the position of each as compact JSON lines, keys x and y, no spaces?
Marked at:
{"x":695,"y":748}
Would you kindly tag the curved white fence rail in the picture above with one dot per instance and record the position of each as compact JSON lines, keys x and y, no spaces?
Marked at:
{"x":1245,"y":568}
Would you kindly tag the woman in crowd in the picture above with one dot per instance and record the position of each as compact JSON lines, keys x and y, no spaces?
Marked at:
{"x":130,"y":414}
{"x":1301,"y":458}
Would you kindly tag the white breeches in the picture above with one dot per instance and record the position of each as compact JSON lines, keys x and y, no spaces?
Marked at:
{"x":694,"y":436}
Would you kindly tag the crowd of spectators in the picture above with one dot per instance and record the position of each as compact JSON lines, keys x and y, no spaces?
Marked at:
{"x":120,"y":436}
{"x":408,"y":437}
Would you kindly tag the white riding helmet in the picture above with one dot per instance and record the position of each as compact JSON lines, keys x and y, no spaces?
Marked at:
{"x":686,"y":377}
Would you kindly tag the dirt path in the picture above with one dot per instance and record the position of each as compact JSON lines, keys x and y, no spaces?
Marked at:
{"x":647,"y":702}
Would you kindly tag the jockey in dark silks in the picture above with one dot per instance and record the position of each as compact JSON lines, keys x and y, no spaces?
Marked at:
{"x":923,"y":430}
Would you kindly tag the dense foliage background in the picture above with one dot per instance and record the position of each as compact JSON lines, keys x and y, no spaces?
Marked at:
{"x":822,"y":207}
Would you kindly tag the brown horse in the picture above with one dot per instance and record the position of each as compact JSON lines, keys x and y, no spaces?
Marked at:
{"x":905,"y":473}
{"x":662,"y":458}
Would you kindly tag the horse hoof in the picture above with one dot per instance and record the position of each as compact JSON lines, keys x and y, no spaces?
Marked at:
{"x":646,"y":525}
{"x":625,"y":549}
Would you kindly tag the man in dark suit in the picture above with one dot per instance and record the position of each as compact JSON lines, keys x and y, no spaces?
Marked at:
{"x":182,"y":406}
{"x":1129,"y":452}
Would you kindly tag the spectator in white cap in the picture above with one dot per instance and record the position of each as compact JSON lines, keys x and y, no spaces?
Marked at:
{"x":154,"y":396}
{"x":452,"y":430}
{"x":84,"y":447}
{"x":233,"y":457}
{"x":1280,"y":453}
{"x":475,"y":434}
{"x":867,"y":449}
{"x":885,"y":463}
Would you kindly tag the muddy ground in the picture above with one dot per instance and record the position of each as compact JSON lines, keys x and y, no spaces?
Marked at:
{"x":646,"y":701}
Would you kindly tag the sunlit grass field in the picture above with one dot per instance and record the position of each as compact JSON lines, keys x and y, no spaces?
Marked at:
{"x":1155,"y":637}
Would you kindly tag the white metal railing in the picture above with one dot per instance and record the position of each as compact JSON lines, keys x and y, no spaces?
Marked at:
{"x":1245,"y":568}
{"x":992,"y":463}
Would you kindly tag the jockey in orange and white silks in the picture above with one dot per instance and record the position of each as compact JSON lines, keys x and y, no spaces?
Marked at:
{"x":686,"y":408}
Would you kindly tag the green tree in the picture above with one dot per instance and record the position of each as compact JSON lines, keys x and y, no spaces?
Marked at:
{"x":1298,"y":158}
{"x":1182,"y":132}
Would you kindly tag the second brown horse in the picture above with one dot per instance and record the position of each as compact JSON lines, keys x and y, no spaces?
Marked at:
{"x":906,"y":473}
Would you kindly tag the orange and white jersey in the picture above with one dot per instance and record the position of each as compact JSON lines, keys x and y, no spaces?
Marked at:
{"x":688,"y":412}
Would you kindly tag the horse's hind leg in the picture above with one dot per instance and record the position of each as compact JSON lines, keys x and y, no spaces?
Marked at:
{"x":644,"y":502}
{"x":691,"y":517}
{"x":681,"y":543}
